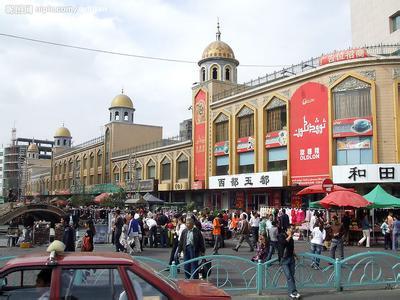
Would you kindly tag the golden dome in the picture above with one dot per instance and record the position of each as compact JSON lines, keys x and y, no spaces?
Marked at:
{"x":62,"y":132}
{"x":218,"y":49}
{"x":33,"y":148}
{"x":121,"y":100}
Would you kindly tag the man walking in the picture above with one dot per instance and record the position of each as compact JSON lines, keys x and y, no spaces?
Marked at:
{"x":162,"y":222}
{"x":284,"y":221}
{"x":273,"y":240}
{"x":337,"y":239}
{"x":244,"y":231}
{"x":192,"y":245}
{"x":119,"y":223}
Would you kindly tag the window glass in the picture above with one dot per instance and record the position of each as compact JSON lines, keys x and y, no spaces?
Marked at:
{"x":166,"y":171}
{"x":215,"y":73}
{"x":246,"y":126}
{"x":276,"y":154}
{"x":352,"y":103}
{"x":221,"y":131}
{"x":151,"y":172}
{"x":246,"y":162}
{"x":276,"y":118}
{"x":223,"y":160}
{"x":182,"y":169}
{"x":138,"y":173}
{"x":354,"y":150}
{"x":92,"y":283}
{"x":227,"y":74}
{"x":143,"y":289}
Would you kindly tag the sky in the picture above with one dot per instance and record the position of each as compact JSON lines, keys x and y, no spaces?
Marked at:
{"x":44,"y":86}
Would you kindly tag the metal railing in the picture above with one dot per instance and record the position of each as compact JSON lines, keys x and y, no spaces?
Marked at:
{"x":378,"y":50}
{"x":91,"y":142}
{"x":149,"y":146}
{"x":237,"y":275}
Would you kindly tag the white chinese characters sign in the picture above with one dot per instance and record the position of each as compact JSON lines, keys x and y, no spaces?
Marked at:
{"x":250,"y":180}
{"x":369,"y":173}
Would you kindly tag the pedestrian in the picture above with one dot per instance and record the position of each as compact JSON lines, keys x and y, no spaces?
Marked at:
{"x":192,"y":245}
{"x":69,"y":236}
{"x":134,"y":232}
{"x":123,"y":239}
{"x":273,"y":240}
{"x":262,"y":250}
{"x":262,"y":228}
{"x":162,"y":221}
{"x":233,"y":226}
{"x":87,"y":239}
{"x":175,"y":241}
{"x":366,"y":229}
{"x":244,"y":231}
{"x":396,"y":233}
{"x":337,"y":238}
{"x":152,"y":226}
{"x":118,"y":223}
{"x":286,"y":258}
{"x":255,"y":227}
{"x":284,"y":222}
{"x":217,"y":233}
{"x":346,"y":220}
{"x":317,"y":242}
{"x":386,"y":233}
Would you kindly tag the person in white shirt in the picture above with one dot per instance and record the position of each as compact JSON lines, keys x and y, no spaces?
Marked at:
{"x":318,"y":236}
{"x":255,"y":226}
{"x":152,"y":225}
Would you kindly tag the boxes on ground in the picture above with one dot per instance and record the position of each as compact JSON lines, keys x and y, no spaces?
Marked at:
{"x":25,"y":245}
{"x":41,"y":233}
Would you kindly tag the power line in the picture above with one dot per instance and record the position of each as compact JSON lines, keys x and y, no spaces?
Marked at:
{"x":118,"y":53}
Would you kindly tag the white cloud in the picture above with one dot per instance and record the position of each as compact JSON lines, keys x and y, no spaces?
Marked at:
{"x":43,"y":85}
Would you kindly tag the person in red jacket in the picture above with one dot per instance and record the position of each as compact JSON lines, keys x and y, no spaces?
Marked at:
{"x":217,"y":223}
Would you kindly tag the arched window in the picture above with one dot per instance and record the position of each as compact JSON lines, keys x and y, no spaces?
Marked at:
{"x":126,"y":116}
{"x":183,"y":167}
{"x":58,"y":142}
{"x":203,"y":74}
{"x":166,"y":169}
{"x":110,"y":116}
{"x":132,"y":116}
{"x":151,"y":170}
{"x":215,"y":73}
{"x":116,"y":116}
{"x":65,"y":142}
{"x":227,"y":74}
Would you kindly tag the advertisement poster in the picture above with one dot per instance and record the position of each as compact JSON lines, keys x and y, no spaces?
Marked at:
{"x":221,"y":148}
{"x":245,"y":144}
{"x":309,"y":139}
{"x":348,"y":144}
{"x":199,"y":139}
{"x":352,"y":127}
{"x":276,"y":139}
{"x":239,"y":200}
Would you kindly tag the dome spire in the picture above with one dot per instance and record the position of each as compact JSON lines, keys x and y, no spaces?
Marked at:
{"x":218,"y":32}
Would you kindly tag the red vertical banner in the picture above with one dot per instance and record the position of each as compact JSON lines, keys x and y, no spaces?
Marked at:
{"x":309,"y":137}
{"x":199,"y":137}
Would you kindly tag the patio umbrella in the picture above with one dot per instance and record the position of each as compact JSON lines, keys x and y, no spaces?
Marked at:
{"x":61,"y":202}
{"x":100,"y":198}
{"x":344,"y":199}
{"x":317,"y":189}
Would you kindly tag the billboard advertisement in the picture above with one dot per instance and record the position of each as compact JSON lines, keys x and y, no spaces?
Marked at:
{"x":199,"y":137}
{"x":309,"y":137}
{"x":352,"y":127}
{"x":276,"y":139}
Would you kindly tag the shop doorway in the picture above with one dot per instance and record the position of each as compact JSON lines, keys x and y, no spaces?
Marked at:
{"x":259,"y":200}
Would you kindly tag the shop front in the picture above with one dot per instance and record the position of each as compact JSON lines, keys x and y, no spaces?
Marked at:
{"x":247,"y":191}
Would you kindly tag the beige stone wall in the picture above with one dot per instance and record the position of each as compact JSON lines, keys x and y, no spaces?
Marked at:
{"x":381,"y":74}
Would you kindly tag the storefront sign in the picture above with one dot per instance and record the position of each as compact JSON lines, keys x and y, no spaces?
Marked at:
{"x":146,"y":185}
{"x":309,"y":139}
{"x":245,"y":144}
{"x":221,"y":148}
{"x":199,"y":138}
{"x":250,"y":180}
{"x":369,"y":173}
{"x":198,"y":185}
{"x":180,"y":186}
{"x":343,"y":55}
{"x":352,"y":127}
{"x":364,"y":143}
{"x":276,"y":139}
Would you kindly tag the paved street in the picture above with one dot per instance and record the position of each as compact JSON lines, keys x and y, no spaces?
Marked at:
{"x":301,"y":246}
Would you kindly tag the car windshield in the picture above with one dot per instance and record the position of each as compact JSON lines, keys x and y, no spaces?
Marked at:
{"x":159,"y":275}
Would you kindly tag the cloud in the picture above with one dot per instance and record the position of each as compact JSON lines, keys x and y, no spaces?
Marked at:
{"x":43,"y":86}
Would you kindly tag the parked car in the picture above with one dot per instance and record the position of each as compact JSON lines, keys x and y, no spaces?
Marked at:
{"x":97,"y":276}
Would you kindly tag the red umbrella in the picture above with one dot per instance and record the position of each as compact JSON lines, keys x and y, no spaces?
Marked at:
{"x":317,"y":189}
{"x":100,"y":198}
{"x":344,"y":199}
{"x":62,"y":202}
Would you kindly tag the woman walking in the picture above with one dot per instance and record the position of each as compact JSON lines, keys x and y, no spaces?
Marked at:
{"x":87,"y":240}
{"x":366,"y":229}
{"x":386,"y":233}
{"x":317,"y":243}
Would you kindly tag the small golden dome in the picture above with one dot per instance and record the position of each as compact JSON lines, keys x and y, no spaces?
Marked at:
{"x":121,"y":100}
{"x":218,"y":49}
{"x":62,"y":132}
{"x":33,"y":148}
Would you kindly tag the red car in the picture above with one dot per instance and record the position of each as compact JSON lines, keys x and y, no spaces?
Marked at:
{"x":94,"y":276}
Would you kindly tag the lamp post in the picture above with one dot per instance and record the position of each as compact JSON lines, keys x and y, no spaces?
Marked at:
{"x":133,"y":181}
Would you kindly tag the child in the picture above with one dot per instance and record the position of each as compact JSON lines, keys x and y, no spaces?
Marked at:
{"x":262,"y":249}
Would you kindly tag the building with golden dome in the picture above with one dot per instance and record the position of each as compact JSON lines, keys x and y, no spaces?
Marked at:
{"x":257,"y":143}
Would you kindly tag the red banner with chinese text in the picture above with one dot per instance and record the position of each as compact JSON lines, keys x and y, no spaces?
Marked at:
{"x":309,"y":139}
{"x":199,"y":137}
{"x":343,"y":55}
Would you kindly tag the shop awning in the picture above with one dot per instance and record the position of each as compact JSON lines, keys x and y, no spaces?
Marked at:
{"x":152,"y":199}
{"x":101,"y":198}
{"x":382,"y":199}
{"x":136,"y":201}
